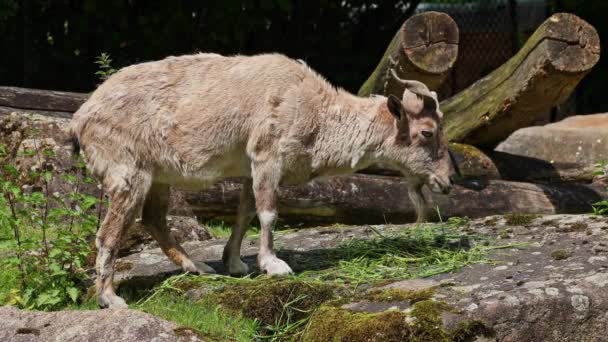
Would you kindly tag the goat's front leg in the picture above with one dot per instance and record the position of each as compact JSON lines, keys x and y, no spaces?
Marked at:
{"x":419,"y":202}
{"x":266,"y":177}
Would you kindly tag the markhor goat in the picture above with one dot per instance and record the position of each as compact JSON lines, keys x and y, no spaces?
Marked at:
{"x":190,"y":121}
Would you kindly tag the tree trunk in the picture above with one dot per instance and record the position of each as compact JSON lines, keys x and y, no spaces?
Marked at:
{"x":362,"y":199}
{"x":541,"y":75}
{"x":424,"y":49}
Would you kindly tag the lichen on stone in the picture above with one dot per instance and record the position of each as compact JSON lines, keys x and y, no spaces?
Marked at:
{"x":517,"y":219}
{"x":399,"y":295}
{"x":561,"y":254}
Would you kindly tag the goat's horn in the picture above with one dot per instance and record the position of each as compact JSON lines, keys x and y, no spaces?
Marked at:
{"x":415,"y":87}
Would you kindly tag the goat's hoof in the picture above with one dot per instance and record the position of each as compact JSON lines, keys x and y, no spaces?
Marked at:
{"x":198,"y":268}
{"x":112,"y":301}
{"x":204,"y":268}
{"x":274,"y":266}
{"x":236,"y":267}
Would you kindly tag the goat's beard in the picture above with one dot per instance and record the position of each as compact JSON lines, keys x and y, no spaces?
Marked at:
{"x":419,"y":202}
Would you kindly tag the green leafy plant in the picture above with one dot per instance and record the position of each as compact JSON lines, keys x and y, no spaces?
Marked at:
{"x":46,"y":234}
{"x":601,"y":170}
{"x":104,"y":63}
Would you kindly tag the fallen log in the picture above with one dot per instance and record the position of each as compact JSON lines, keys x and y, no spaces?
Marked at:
{"x":49,"y":113}
{"x":363,"y":199}
{"x":541,"y":75}
{"x":41,"y":100}
{"x":423,"y":49}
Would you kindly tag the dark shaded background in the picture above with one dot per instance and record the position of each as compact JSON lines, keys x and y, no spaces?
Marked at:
{"x":52,"y":44}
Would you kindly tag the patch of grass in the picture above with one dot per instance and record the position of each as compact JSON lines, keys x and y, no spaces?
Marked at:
{"x":204,"y":316}
{"x":421,"y":251}
{"x":8,"y":281}
{"x":517,"y":219}
{"x":221,"y":230}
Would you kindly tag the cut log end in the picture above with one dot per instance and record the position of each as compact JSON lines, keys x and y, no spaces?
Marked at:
{"x":424,"y":49}
{"x":430,"y":42}
{"x":574,"y":43}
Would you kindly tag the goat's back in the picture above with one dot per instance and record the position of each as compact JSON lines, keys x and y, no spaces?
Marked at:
{"x":182,"y":113}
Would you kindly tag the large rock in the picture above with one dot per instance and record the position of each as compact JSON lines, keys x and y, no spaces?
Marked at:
{"x":554,"y":287}
{"x":579,"y":139}
{"x":88,"y":326}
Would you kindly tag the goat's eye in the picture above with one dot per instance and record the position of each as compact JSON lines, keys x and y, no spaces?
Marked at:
{"x":427,"y":134}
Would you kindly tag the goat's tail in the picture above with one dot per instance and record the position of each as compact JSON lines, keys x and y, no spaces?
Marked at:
{"x":73,"y":140}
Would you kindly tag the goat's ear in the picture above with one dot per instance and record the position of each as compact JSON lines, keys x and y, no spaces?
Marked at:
{"x":395,"y":107}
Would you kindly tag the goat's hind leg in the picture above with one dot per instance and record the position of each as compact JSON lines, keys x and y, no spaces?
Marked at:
{"x":245,"y":213}
{"x":126,"y":198}
{"x":154,"y":219}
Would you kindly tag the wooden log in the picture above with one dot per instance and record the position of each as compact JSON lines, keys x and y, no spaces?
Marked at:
{"x":42,"y":100}
{"x":423,"y":49}
{"x":363,"y":199}
{"x":54,"y":114}
{"x":541,"y":75}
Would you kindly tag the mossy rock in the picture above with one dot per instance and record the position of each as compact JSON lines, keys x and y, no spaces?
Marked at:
{"x":335,"y":324}
{"x":424,"y":324}
{"x":267,"y":300}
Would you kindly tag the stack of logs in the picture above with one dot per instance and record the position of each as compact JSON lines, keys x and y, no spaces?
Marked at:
{"x":540,"y":76}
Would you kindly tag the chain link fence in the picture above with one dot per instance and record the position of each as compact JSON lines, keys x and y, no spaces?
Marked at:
{"x":491,"y":32}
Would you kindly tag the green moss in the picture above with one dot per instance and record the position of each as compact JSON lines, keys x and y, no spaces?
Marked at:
{"x":335,"y":324}
{"x":423,"y":324}
{"x":550,"y":223}
{"x":579,"y":226}
{"x":428,"y":325}
{"x":516,"y":219}
{"x":504,"y":235}
{"x":491,"y":222}
{"x":270,"y":299}
{"x":468,"y":151}
{"x":468,"y":330}
{"x":399,"y":295}
{"x":561,"y":254}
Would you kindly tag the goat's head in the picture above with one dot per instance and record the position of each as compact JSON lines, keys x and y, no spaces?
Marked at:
{"x":417,"y":146}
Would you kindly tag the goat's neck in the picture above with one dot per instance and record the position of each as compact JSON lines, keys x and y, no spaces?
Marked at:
{"x":349,"y":136}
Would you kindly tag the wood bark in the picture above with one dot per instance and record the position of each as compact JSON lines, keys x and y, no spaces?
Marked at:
{"x":423,"y":49}
{"x":541,"y":75}
{"x":363,"y":199}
